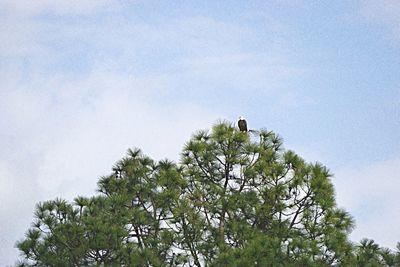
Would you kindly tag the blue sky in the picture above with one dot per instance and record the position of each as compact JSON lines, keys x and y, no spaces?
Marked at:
{"x":77,"y":78}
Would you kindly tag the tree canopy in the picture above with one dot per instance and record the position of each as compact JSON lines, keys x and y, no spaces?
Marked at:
{"x":234,"y":199}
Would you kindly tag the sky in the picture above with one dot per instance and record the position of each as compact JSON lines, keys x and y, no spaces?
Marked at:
{"x":83,"y":81}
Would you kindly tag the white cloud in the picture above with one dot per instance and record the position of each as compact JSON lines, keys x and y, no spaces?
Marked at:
{"x":370,"y":193}
{"x":248,"y":72}
{"x":20,"y":26}
{"x":29,"y":8}
{"x":18,"y":196}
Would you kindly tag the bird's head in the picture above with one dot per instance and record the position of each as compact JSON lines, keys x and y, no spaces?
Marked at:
{"x":241,"y":118}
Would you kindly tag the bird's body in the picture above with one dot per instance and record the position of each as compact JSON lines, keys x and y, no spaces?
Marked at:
{"x":242,"y":124}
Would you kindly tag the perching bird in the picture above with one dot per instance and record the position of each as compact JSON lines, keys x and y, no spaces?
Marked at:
{"x":242,"y":124}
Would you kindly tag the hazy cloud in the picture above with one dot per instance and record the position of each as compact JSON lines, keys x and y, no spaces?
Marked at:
{"x":57,"y":143}
{"x":385,"y":12}
{"x":75,"y":7}
{"x":370,"y":193}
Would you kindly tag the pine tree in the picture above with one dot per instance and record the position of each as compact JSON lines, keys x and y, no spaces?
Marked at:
{"x":235,"y":199}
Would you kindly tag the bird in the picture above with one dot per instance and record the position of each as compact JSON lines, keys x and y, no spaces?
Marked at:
{"x":242,"y":124}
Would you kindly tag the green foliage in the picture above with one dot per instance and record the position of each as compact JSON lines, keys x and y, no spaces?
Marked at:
{"x":235,"y":199}
{"x":369,"y":254}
